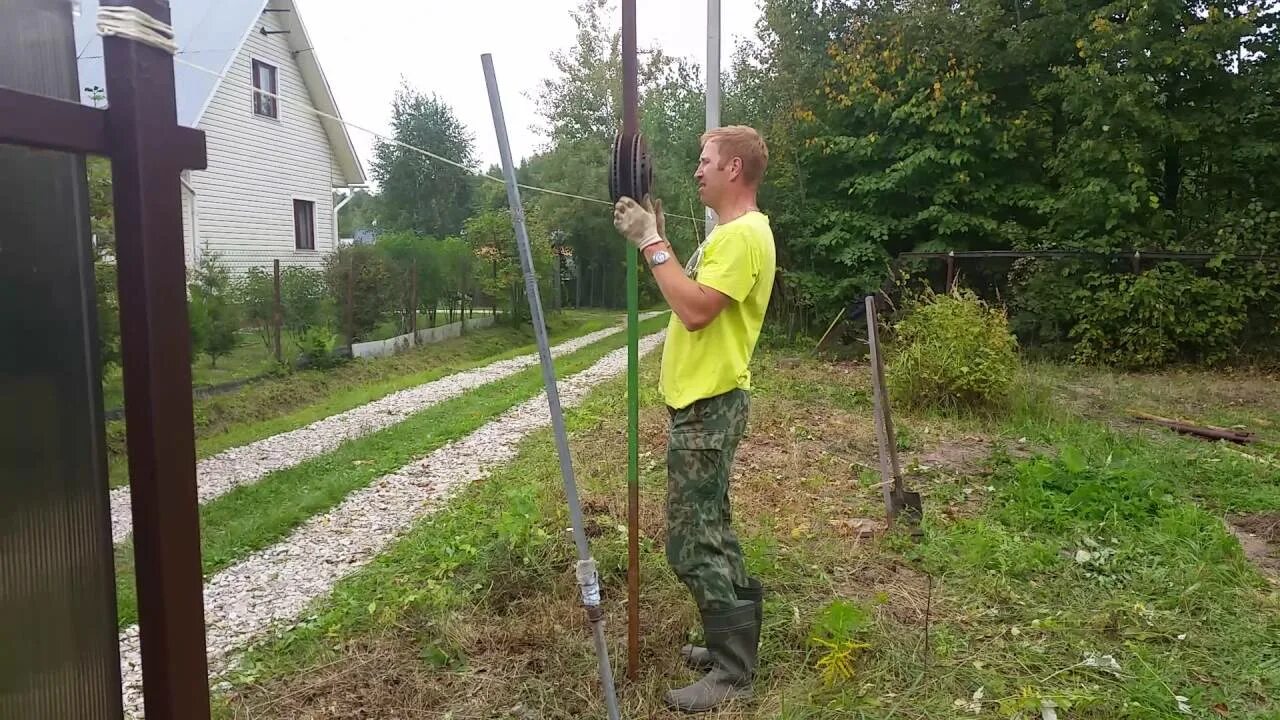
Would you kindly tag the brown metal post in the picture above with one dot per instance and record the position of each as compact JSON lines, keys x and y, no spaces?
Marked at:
{"x":349,"y":310}
{"x":1137,"y":262}
{"x":277,"y":316}
{"x":148,"y":151}
{"x":951,"y":271}
{"x":413,"y":301}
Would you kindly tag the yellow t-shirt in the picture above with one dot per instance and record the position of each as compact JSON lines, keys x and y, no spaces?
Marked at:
{"x":739,"y":261}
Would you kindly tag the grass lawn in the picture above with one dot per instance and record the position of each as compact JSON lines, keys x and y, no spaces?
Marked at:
{"x":287,"y":402}
{"x":1072,"y":561}
{"x":253,"y":517}
{"x":249,"y":359}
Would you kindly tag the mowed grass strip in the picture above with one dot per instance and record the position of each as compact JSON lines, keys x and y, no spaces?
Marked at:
{"x":288,"y":402}
{"x":1071,"y":566}
{"x":253,"y":517}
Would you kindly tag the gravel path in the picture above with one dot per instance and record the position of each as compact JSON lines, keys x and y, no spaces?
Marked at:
{"x":217,"y":475}
{"x":272,"y":587}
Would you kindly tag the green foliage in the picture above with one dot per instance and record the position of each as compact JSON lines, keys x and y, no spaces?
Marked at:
{"x":953,"y":351}
{"x":102,"y":226}
{"x":305,"y":301}
{"x":213,"y":313}
{"x":363,"y":270}
{"x":497,"y":269}
{"x":420,"y":194}
{"x":835,"y":633}
{"x":1098,"y":126}
{"x":255,"y":294}
{"x":319,"y":345}
{"x":104,"y":283}
{"x":1160,"y":316}
{"x":360,"y":213}
{"x":444,"y":273}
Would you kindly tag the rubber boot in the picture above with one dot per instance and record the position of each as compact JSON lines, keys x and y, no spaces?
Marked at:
{"x":733,"y":640}
{"x":696,"y":656}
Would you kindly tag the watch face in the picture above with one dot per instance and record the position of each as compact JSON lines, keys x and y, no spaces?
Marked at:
{"x":659,"y":257}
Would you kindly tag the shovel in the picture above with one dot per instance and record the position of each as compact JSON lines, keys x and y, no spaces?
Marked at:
{"x":898,"y":501}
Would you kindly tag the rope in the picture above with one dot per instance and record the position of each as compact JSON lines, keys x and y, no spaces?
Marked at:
{"x":134,"y":24}
{"x":413,"y":148}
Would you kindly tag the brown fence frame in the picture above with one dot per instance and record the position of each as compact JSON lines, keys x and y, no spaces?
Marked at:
{"x":1136,"y":257}
{"x":139,"y":132}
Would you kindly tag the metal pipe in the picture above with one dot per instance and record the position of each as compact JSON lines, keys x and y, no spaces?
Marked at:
{"x":350,"y":196}
{"x":195,"y":219}
{"x":713,"y":82}
{"x":588,"y":579}
{"x":631,"y":126}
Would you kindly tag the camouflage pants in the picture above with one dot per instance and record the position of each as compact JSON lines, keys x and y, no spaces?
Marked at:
{"x":702,"y":548}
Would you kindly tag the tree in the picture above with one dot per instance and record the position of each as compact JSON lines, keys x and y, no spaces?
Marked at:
{"x":421,"y":194}
{"x":102,"y":225}
{"x":213,"y":313}
{"x":360,"y":213}
{"x":497,"y":269}
{"x":362,"y":269}
{"x":581,"y":111}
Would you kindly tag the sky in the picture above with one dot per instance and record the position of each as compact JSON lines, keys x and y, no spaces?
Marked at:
{"x":436,"y":45}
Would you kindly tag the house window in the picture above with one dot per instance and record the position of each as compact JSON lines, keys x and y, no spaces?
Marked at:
{"x":304,"y":224}
{"x":264,"y":81}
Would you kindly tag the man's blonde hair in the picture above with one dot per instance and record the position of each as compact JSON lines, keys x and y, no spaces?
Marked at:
{"x":742,"y":142}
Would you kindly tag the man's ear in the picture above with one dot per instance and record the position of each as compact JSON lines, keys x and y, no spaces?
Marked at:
{"x":735,"y":168}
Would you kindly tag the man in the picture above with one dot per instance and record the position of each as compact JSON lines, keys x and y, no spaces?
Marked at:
{"x":718,"y":303}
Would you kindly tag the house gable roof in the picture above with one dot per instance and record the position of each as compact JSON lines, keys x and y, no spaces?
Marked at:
{"x":210,"y":34}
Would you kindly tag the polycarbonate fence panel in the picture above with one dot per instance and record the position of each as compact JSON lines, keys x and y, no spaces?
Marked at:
{"x":58,"y":653}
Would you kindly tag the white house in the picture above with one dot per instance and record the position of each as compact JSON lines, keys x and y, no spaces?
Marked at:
{"x":273,"y":163}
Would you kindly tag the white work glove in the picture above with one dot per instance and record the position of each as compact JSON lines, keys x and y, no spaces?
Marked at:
{"x":637,"y":223}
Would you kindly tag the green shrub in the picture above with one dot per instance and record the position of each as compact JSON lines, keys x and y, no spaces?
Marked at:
{"x":304,"y":301}
{"x":255,"y":293}
{"x":211,"y":309}
{"x":104,"y":277}
{"x":953,"y":351}
{"x":372,"y":288}
{"x":319,"y":347}
{"x":1165,"y":315}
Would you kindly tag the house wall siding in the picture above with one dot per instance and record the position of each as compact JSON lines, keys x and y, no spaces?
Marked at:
{"x":258,"y":166}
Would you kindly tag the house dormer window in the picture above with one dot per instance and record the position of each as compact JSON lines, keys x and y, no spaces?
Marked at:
{"x":264,"y":82}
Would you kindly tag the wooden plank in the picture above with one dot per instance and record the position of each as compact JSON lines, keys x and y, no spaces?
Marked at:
{"x":878,"y":400}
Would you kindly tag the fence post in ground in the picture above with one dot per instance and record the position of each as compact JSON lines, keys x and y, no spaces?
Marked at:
{"x":951,"y":271}
{"x":148,"y":152}
{"x":413,"y":300}
{"x":1137,"y":262}
{"x":277,"y":315}
{"x":349,"y":310}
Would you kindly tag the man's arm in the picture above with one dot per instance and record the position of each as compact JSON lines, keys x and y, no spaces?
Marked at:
{"x":695,"y":304}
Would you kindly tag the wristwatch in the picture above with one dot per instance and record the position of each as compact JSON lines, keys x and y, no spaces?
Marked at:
{"x":658,"y":258}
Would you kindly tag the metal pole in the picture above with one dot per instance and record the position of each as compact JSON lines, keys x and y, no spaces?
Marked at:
{"x":713,"y":82}
{"x":147,"y":157}
{"x":349,"y":309}
{"x":588,"y":578}
{"x":413,"y":302}
{"x":277,"y":315}
{"x":631,"y":126}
